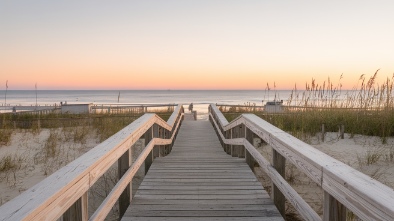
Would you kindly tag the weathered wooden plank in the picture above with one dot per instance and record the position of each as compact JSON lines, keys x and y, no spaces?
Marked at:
{"x":197,"y":174}
{"x":124,"y":163}
{"x":353,"y":193}
{"x":368,"y":199}
{"x":45,"y":192}
{"x":197,"y":207}
{"x":279,"y":163}
{"x":247,"y":186}
{"x":78,"y":211}
{"x":54,"y":210}
{"x":257,"y":218}
{"x":332,"y":209}
{"x":267,"y":212}
{"x":198,"y":191}
{"x":291,"y":195}
{"x":261,"y":201}
{"x":191,"y":176}
{"x":182,"y":184}
{"x":210,"y":180}
{"x":196,"y":170}
{"x":110,"y":200}
{"x":203,"y":185}
{"x":200,"y":196}
{"x":295,"y":199}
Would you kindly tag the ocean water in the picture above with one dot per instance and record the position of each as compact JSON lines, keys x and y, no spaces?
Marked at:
{"x":200,"y":98}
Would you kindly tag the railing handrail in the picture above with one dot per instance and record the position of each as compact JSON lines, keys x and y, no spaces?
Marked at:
{"x":50,"y":198}
{"x":289,"y":107}
{"x":99,"y":105}
{"x":367,"y":198}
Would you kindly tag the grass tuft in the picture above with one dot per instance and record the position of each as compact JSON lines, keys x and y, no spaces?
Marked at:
{"x":367,"y":109}
{"x":5,"y":136}
{"x":7,"y":163}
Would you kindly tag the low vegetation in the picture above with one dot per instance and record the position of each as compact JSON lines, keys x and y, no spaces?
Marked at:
{"x":367,"y":109}
{"x":48,"y":142}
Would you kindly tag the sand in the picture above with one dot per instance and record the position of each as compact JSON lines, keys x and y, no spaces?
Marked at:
{"x":354,"y":151}
{"x":34,"y":162}
{"x":35,"y":159}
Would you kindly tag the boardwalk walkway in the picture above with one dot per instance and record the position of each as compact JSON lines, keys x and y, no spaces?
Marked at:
{"x":199,"y":181}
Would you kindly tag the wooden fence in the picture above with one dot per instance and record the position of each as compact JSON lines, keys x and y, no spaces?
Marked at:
{"x":130,"y":108}
{"x":285,"y":109}
{"x":344,"y":187}
{"x":64,"y":193}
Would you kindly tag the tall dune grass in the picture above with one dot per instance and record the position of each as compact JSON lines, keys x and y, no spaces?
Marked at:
{"x":366,"y":109}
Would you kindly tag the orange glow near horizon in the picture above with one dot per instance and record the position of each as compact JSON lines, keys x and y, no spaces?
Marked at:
{"x":97,"y":78}
{"x":192,"y":45}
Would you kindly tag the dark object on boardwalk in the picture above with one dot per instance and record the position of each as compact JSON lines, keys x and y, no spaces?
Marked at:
{"x":191,"y":107}
{"x":274,"y":102}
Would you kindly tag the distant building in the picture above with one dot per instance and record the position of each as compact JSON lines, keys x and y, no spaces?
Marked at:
{"x":76,"y":108}
{"x":274,"y":107}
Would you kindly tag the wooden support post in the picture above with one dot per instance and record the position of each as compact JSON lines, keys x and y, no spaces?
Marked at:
{"x":220,"y":138}
{"x":234,"y":149}
{"x":124,"y":163}
{"x":342,"y":130}
{"x":78,"y":211}
{"x":165,"y":136}
{"x":156,"y":151}
{"x":230,"y":148}
{"x":333,"y":210}
{"x":323,"y":131}
{"x":278,"y":162}
{"x":226,"y":135}
{"x":149,"y":158}
{"x":248,"y":157}
{"x":161,"y":147}
{"x":242,"y":133}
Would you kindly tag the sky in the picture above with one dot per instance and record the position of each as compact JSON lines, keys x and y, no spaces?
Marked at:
{"x":188,"y":44}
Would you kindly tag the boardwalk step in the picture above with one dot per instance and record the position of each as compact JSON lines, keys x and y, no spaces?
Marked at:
{"x":199,"y":181}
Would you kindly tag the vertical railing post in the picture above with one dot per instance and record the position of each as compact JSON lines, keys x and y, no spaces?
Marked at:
{"x":149,"y":158}
{"x":162,"y":151}
{"x":231,"y":146}
{"x":342,"y":130}
{"x":78,"y":211}
{"x":234,"y":134}
{"x":241,"y":133}
{"x":166,"y":147}
{"x":228,"y":146}
{"x":124,"y":163}
{"x":248,"y":157}
{"x":333,"y":210}
{"x":156,"y":151}
{"x":278,"y":162}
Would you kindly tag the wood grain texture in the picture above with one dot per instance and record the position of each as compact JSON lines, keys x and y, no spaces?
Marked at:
{"x":199,"y":181}
{"x":105,"y":207}
{"x":50,"y":198}
{"x":367,"y":198}
{"x":291,"y":195}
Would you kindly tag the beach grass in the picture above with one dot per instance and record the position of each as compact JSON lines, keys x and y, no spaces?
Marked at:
{"x":367,"y":109}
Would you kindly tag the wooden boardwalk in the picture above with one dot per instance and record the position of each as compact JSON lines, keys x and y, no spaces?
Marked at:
{"x":199,"y":181}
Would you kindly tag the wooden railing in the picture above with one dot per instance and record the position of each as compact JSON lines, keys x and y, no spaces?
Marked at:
{"x":287,"y":109}
{"x":344,"y":187}
{"x":130,"y":108}
{"x":64,"y":193}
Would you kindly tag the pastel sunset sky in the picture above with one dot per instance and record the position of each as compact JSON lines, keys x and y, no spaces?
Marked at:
{"x":192,"y":44}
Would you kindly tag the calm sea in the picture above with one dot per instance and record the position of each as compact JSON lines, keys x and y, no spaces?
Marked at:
{"x":200,"y":98}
